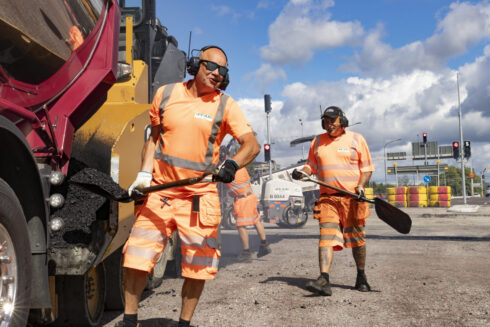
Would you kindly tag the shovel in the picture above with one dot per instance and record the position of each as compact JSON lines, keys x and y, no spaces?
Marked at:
{"x":391,"y":215}
{"x":102,"y":184}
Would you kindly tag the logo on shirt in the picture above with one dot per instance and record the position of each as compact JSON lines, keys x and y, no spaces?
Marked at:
{"x":343,"y":150}
{"x":203,"y":116}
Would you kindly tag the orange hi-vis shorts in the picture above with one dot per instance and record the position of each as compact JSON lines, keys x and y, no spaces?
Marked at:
{"x":245,"y":211}
{"x":342,"y":220}
{"x":198,"y":234}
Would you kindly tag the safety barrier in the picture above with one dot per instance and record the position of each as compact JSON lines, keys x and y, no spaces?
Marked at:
{"x":397,"y":196}
{"x":417,"y":196}
{"x":440,"y":196}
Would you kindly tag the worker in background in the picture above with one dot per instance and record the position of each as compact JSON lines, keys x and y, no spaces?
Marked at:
{"x":245,"y":211}
{"x":340,"y":158}
{"x":189,"y":121}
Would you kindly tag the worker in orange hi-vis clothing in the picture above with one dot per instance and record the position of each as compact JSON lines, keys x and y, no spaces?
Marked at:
{"x":245,"y":211}
{"x":340,"y":158}
{"x":189,"y":121}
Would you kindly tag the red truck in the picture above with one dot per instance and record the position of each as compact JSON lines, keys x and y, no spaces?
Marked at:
{"x":76,"y":80}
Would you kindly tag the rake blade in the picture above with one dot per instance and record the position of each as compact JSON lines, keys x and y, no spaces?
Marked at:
{"x":393,"y":216}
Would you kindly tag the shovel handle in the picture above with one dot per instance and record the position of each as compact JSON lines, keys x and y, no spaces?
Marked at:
{"x":182,"y":182}
{"x":354,"y":195}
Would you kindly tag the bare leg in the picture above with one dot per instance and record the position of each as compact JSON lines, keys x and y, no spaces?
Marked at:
{"x":134,"y":282}
{"x":325,"y":257}
{"x":359,"y":255}
{"x":260,"y":230}
{"x":191,"y":292}
{"x":242,"y":232}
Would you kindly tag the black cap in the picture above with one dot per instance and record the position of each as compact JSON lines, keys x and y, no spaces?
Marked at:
{"x":332,"y":112}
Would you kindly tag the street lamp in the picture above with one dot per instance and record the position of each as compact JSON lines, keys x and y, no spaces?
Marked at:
{"x":385,"y":153}
{"x":302,"y":145}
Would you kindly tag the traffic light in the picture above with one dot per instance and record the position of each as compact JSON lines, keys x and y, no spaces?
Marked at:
{"x":267,"y":152}
{"x":424,"y":137}
{"x":456,"y":150}
{"x":467,"y":149}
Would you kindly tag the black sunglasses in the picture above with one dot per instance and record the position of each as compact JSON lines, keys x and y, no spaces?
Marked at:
{"x":211,"y":66}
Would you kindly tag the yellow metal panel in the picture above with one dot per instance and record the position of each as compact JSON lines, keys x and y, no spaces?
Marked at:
{"x":135,"y":90}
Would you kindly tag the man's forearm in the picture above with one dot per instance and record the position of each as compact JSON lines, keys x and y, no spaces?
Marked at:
{"x":364,"y":178}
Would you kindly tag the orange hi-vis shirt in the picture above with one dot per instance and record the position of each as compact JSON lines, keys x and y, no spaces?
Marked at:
{"x":339,"y":161}
{"x":240,"y":187}
{"x":192,"y":131}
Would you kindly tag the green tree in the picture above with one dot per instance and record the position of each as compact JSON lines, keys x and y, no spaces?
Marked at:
{"x":452,"y":177}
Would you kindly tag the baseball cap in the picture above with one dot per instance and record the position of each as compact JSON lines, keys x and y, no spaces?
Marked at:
{"x":332,"y":112}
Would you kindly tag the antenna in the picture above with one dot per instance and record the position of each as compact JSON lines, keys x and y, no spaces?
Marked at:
{"x":354,"y":124}
{"x":189,"y":48}
{"x":321,"y":110}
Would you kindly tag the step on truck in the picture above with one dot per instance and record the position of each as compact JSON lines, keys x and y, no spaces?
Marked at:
{"x":76,"y":82}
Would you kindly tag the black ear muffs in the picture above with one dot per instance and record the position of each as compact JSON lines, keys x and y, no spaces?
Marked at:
{"x":344,"y":122}
{"x":193,"y":65}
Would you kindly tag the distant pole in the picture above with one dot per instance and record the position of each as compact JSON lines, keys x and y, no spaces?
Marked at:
{"x":302,"y":145}
{"x":268,"y":109}
{"x":461,"y":153}
{"x":385,"y":153}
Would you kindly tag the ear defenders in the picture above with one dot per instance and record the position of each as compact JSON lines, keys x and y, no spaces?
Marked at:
{"x":193,"y":65}
{"x":334,"y":112}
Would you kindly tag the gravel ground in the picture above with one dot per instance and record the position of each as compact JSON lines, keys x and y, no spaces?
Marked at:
{"x":438,"y":275}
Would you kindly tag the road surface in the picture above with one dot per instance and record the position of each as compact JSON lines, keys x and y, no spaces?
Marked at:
{"x":438,"y":275}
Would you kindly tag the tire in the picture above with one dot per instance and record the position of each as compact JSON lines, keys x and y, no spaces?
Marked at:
{"x":174,"y":266}
{"x":229,"y":220}
{"x":290,"y":219}
{"x":81,"y":298}
{"x":14,"y":237}
{"x":155,"y":278}
{"x":114,"y":273}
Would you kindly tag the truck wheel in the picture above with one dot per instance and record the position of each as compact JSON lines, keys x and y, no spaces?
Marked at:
{"x":155,"y":278}
{"x":15,"y":260}
{"x":81,"y":298}
{"x":114,"y":273}
{"x":294,"y":219}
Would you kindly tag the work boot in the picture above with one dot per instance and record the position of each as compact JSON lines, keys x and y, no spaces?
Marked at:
{"x":244,"y":256}
{"x":320,"y":286}
{"x":264,"y":249}
{"x":362,"y":284}
{"x":122,"y":324}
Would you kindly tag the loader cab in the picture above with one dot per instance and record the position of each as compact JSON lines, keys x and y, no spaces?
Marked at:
{"x":151,"y":44}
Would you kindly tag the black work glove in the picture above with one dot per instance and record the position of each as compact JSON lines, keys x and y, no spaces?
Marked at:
{"x":297,"y":174}
{"x":227,"y":171}
{"x":361,"y":194}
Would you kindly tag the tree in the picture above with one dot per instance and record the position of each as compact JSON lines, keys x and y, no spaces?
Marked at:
{"x":452,"y":177}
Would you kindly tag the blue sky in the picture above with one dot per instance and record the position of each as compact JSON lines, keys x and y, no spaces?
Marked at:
{"x":390,"y":64}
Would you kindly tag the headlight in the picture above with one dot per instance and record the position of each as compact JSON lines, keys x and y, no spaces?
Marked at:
{"x":56,"y":177}
{"x":56,"y":200}
{"x":124,"y":72}
{"x":56,"y":224}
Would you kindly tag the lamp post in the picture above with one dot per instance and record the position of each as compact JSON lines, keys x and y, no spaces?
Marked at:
{"x":385,"y":153}
{"x":302,"y":145}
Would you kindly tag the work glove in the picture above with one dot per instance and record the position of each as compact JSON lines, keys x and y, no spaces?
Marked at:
{"x":143,"y":179}
{"x":360,"y":193}
{"x":297,"y":174}
{"x":226,"y":172}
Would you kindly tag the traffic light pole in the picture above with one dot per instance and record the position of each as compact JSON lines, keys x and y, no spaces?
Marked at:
{"x":461,"y":153}
{"x":269,"y":142}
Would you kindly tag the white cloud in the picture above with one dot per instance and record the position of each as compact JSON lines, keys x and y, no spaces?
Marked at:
{"x":266,"y":75}
{"x":303,"y":27}
{"x":401,"y":106}
{"x":464,"y":26}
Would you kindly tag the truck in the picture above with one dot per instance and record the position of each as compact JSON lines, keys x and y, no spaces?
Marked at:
{"x":76,"y":82}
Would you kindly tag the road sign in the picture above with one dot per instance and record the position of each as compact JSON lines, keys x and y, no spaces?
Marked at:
{"x":472,"y":174}
{"x":427,"y":179}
